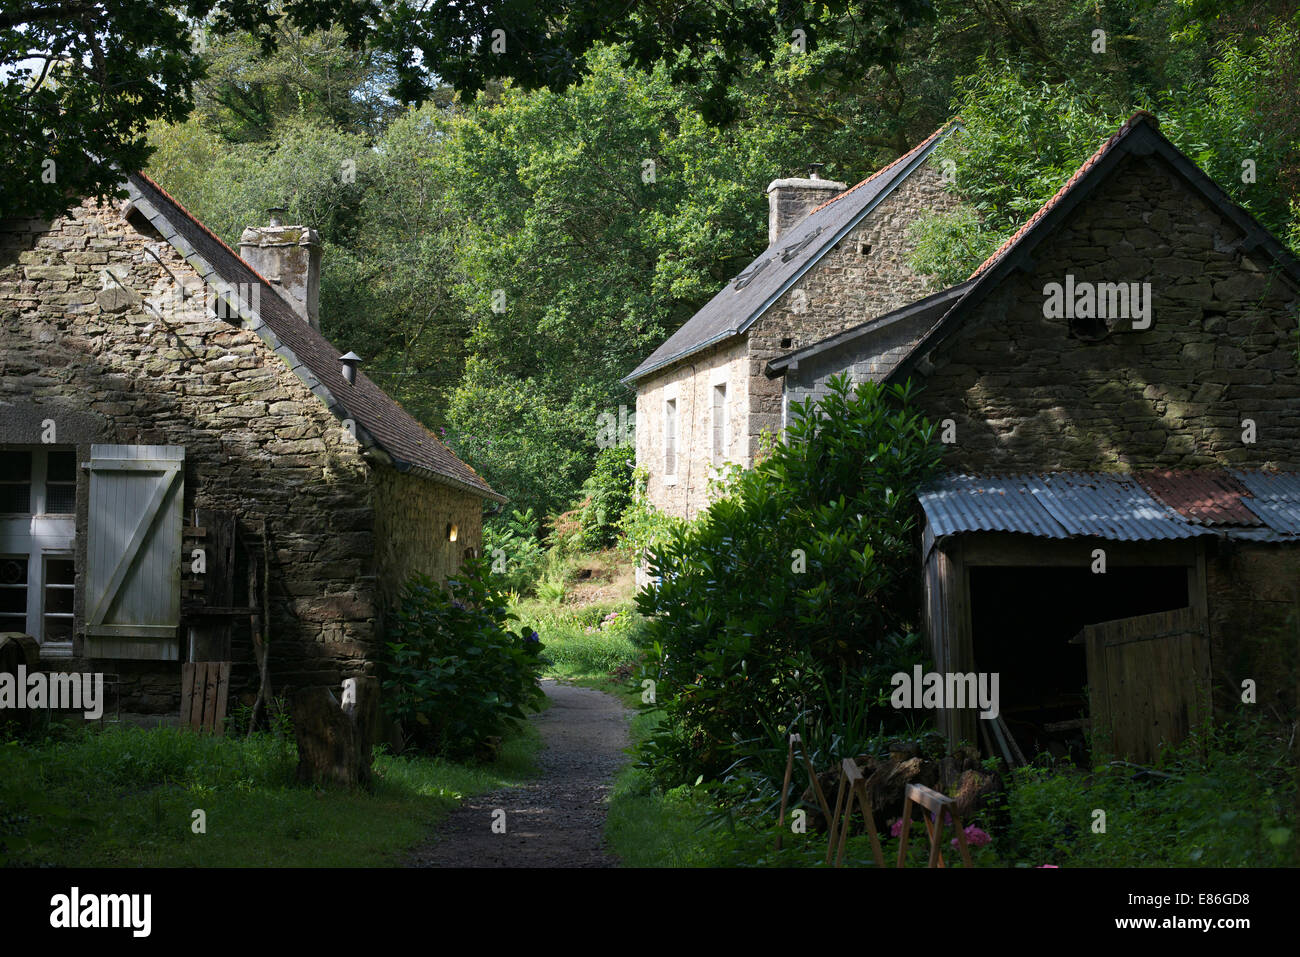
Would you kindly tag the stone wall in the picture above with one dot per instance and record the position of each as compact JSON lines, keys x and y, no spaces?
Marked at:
{"x":411,"y":519}
{"x":1253,"y":595}
{"x":869,"y":358}
{"x":691,"y":384}
{"x":864,"y":276}
{"x":1025,"y":394}
{"x":80,"y":349}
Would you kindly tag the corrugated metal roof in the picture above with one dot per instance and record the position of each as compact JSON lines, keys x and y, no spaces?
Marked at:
{"x":1205,"y":498}
{"x":1107,"y":506}
{"x":763,"y":281}
{"x":1276,"y":498}
{"x":1117,"y":506}
{"x":986,"y":503}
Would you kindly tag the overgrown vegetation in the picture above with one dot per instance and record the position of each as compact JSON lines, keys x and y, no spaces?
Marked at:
{"x":506,"y":261}
{"x":788,"y":603}
{"x":457,"y":675}
{"x":125,"y":797}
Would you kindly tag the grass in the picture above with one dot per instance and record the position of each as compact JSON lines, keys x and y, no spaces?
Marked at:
{"x":1226,"y":798}
{"x":596,"y":645}
{"x":125,"y":797}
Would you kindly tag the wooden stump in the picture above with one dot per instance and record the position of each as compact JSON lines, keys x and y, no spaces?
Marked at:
{"x":334,"y":740}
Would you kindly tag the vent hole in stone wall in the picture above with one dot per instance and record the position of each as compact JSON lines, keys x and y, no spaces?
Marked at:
{"x":785,"y":342}
{"x":864,"y":249}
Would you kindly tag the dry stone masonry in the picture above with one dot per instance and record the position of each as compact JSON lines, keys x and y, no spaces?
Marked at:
{"x":97,"y":337}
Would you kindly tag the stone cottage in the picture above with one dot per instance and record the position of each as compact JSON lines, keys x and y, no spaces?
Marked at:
{"x":149,"y":375}
{"x":1118,"y":390}
{"x":835,"y":257}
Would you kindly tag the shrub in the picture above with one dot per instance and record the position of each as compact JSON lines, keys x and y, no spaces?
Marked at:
{"x":511,"y":545}
{"x":607,"y":493}
{"x":643,"y":526}
{"x":795,"y":590}
{"x":456,"y":673}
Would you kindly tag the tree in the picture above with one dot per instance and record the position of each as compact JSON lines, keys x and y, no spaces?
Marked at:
{"x":83,"y":79}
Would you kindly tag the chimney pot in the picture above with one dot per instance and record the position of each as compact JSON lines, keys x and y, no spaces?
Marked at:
{"x":289,"y":258}
{"x":350,"y":362}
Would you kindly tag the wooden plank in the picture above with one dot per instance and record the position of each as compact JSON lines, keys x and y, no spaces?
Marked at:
{"x":927,"y":797}
{"x":187,"y":692}
{"x":223,"y":686}
{"x":212,"y":671}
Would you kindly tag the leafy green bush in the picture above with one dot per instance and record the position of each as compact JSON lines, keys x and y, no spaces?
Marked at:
{"x":793,"y":587}
{"x":456,"y":673}
{"x":1226,"y":797}
{"x":608,"y":494}
{"x":513,"y":550}
{"x":643,"y":526}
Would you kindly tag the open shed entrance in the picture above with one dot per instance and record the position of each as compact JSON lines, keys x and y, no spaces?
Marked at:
{"x":1022,"y":620}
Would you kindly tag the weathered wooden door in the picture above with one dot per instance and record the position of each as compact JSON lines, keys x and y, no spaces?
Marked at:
{"x":133,"y":551}
{"x":1150,"y":681}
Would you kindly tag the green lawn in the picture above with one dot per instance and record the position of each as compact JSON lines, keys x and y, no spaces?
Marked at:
{"x":125,"y":797}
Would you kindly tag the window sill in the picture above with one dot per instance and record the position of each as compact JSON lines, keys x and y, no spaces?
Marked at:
{"x":60,"y":649}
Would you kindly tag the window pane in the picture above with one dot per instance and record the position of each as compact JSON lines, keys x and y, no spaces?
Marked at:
{"x":16,"y":497}
{"x":15,"y":466}
{"x":59,"y":571}
{"x":58,"y":601}
{"x":60,"y":498}
{"x":61,"y":467}
{"x":13,"y":601}
{"x":57,"y":629}
{"x":13,"y":571}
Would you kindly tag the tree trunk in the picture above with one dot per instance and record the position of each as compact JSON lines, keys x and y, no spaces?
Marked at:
{"x":333,"y":742}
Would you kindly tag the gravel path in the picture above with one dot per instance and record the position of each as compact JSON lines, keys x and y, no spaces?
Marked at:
{"x":557,"y":819}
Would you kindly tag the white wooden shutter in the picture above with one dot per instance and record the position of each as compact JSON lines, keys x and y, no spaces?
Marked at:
{"x":133,"y":551}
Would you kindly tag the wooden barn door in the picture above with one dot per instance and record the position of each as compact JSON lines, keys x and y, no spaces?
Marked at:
{"x":1150,"y":681}
{"x":133,"y":551}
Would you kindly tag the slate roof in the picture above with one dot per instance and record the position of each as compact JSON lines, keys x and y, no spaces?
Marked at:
{"x":380,"y":421}
{"x":743,"y":300}
{"x":930,"y":309}
{"x":1117,"y":506}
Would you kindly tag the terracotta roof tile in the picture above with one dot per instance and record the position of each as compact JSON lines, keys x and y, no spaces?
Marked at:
{"x":1093,"y":160}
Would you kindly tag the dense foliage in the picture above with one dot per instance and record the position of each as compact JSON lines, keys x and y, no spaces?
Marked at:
{"x":1023,"y":138}
{"x":501,"y":263}
{"x":513,"y":550}
{"x":607,"y":495}
{"x":790,"y":599}
{"x":456,"y":673}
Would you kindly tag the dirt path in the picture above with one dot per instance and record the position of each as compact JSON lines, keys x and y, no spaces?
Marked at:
{"x":557,"y":819}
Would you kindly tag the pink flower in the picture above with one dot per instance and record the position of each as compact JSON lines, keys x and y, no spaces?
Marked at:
{"x":896,"y":828}
{"x":974,"y":836}
{"x":1053,"y":866}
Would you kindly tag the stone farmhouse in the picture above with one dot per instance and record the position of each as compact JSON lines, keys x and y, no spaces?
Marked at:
{"x":1117,"y":531}
{"x":835,"y":258}
{"x":154,"y":382}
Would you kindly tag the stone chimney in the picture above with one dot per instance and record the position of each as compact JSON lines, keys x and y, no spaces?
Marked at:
{"x":790,"y":200}
{"x":289,"y":257}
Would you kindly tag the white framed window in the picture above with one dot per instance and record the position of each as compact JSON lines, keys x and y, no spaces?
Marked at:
{"x":721,"y":426}
{"x":38,"y":497}
{"x":670,"y":437}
